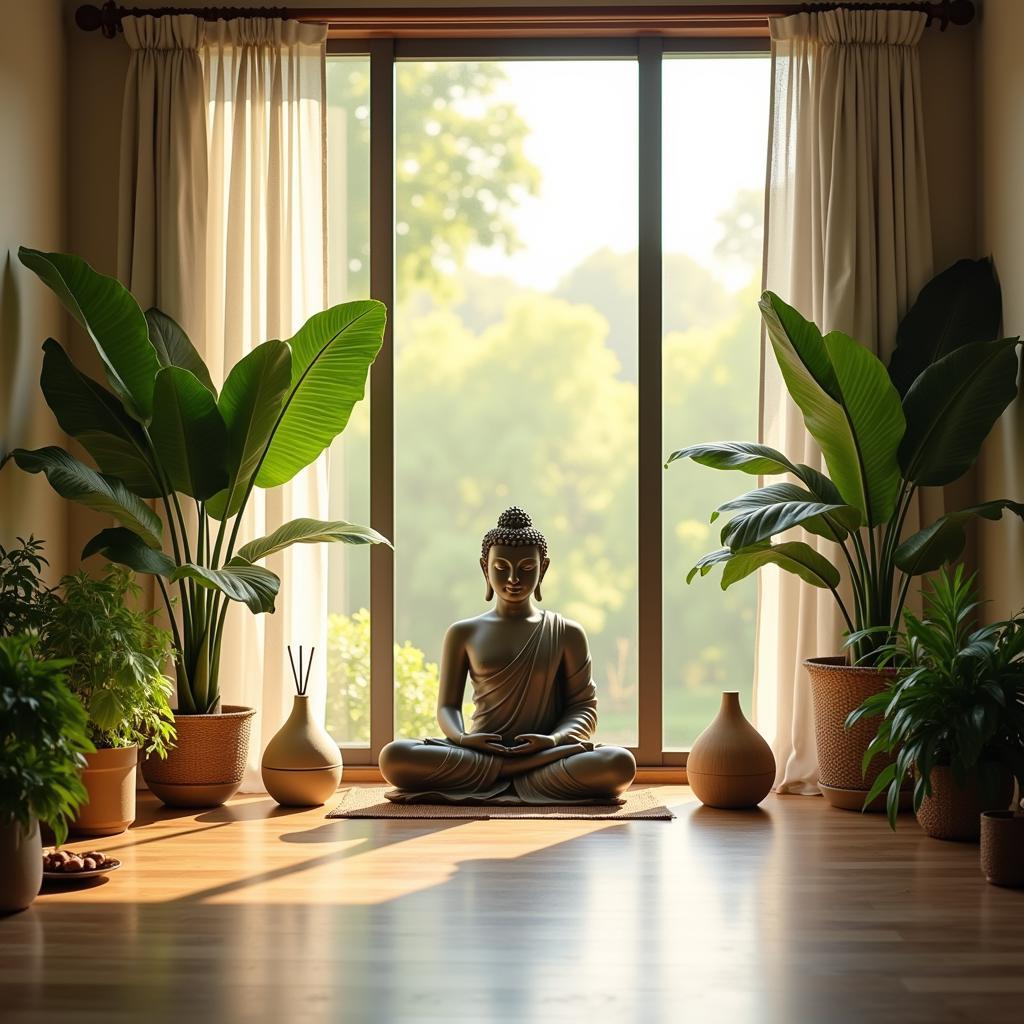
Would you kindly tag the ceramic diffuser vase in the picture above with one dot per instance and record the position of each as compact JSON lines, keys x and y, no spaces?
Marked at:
{"x":730,"y":764}
{"x":302,"y":765}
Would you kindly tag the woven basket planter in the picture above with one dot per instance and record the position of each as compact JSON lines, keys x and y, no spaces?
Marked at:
{"x":207,"y":763}
{"x":1002,"y":848}
{"x":838,"y":688}
{"x":953,"y":811}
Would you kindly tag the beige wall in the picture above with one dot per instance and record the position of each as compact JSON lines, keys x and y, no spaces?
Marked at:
{"x":1001,"y":233}
{"x":32,"y":177}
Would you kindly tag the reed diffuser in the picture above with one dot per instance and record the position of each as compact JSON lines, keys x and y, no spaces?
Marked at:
{"x":302,"y":765}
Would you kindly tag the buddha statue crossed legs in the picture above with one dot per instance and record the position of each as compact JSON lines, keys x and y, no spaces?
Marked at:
{"x":535,"y":703}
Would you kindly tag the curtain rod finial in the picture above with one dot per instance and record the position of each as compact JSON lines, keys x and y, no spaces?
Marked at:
{"x":107,"y":18}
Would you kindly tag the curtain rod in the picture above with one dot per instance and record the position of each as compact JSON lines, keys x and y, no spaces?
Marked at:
{"x":620,"y":20}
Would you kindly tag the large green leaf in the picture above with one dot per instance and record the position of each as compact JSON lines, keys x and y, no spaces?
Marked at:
{"x":849,"y":407}
{"x":770,"y":510}
{"x":76,"y":481}
{"x":756,"y":459}
{"x":331,"y":355}
{"x":239,"y":580}
{"x":952,"y":407}
{"x":174,"y":348}
{"x":112,"y":318}
{"x":930,"y":548}
{"x":875,"y":414}
{"x":88,"y":412}
{"x":250,"y":403}
{"x":116,"y":544}
{"x":707,"y":562}
{"x":960,"y":306}
{"x":188,"y":434}
{"x":310,"y":531}
{"x":793,"y":556}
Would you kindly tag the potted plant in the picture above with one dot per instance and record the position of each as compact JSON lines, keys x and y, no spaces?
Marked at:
{"x":117,"y":675}
{"x":24,"y":598}
{"x":42,"y":740}
{"x":954,"y":714}
{"x":164,"y":433}
{"x":884,"y":433}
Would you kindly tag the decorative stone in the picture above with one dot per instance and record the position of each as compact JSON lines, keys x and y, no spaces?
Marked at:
{"x":730,"y":765}
{"x":302,"y":765}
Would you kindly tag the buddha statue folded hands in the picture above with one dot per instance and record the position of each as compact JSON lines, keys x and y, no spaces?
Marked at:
{"x":535,"y":703}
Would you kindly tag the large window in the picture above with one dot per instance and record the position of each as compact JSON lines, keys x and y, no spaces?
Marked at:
{"x":511,"y":223}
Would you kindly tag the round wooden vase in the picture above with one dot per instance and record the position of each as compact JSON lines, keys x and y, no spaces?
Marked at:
{"x":730,"y":764}
{"x":302,"y":765}
{"x":207,"y":763}
{"x":109,"y":779}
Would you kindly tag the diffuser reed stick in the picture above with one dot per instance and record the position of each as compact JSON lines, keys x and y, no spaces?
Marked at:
{"x":301,"y":677}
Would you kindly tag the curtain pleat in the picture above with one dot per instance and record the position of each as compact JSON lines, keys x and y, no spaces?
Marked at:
{"x":849,"y":245}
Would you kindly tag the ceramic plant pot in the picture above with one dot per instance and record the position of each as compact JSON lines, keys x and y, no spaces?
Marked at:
{"x":21,"y":865}
{"x":1002,"y":848}
{"x":109,"y":777}
{"x":953,"y":811}
{"x":207,"y":763}
{"x":730,"y":764}
{"x":837,"y":688}
{"x":302,"y":764}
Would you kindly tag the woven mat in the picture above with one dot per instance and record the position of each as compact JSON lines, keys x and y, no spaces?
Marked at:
{"x":370,"y":802}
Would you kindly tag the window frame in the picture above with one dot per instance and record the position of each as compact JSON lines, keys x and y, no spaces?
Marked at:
{"x":649,"y":53}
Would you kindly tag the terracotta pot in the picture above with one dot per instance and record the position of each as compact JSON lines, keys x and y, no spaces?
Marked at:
{"x":109,"y":778}
{"x":207,"y":763}
{"x":21,"y":865}
{"x":837,"y":688}
{"x":953,"y":811}
{"x":302,"y":764}
{"x":1002,"y":848}
{"x":730,"y":764}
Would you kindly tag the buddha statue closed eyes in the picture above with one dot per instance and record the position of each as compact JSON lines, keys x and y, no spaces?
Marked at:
{"x":535,"y":703}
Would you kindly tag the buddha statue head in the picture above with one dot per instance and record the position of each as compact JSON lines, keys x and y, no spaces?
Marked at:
{"x":514,"y":557}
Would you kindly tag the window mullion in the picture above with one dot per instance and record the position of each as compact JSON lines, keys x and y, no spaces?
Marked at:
{"x":649,"y":285}
{"x":382,"y":396}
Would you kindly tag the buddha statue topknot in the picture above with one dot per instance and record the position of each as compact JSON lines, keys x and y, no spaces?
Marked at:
{"x":535,"y":703}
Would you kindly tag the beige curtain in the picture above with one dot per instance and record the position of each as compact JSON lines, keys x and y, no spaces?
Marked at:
{"x":163,"y":184}
{"x":222,"y":226}
{"x":849,"y":245}
{"x":266,"y":274}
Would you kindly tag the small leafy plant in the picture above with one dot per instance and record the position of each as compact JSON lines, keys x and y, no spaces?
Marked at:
{"x":957,"y":700}
{"x":119,"y":656}
{"x":24,"y":598}
{"x":43,"y":735}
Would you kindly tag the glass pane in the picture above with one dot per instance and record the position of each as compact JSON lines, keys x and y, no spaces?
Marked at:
{"x":715,"y":135}
{"x":348,"y":240}
{"x":516,"y":353}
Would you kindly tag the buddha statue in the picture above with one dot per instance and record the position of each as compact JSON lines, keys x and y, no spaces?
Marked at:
{"x":535,"y":703}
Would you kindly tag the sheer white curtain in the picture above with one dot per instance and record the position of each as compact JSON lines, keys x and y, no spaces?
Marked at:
{"x":266,"y":274}
{"x":222,"y":226}
{"x":849,"y":245}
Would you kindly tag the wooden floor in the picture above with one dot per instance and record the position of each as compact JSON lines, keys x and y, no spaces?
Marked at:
{"x":793,"y":913}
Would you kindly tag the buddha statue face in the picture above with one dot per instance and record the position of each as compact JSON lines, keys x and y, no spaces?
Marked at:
{"x":514,"y":572}
{"x":514,"y":558}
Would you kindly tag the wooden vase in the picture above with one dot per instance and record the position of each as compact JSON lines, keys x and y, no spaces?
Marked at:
{"x":302,"y":764}
{"x":730,"y":764}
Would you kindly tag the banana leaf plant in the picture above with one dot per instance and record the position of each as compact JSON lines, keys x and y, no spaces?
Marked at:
{"x":162,"y":434}
{"x":884,"y":433}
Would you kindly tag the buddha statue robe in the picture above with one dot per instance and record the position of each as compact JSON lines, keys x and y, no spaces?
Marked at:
{"x":530,"y":694}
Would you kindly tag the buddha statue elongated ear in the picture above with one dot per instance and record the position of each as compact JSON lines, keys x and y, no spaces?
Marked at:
{"x":540,"y":579}
{"x":489,"y":592}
